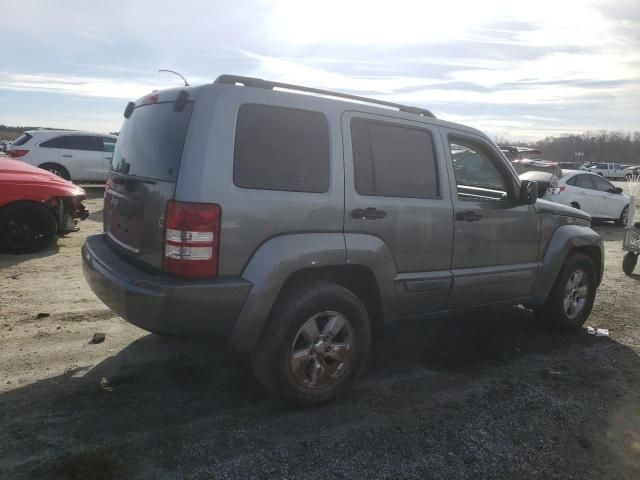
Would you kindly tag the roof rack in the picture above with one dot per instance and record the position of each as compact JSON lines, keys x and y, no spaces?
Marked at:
{"x":260,"y":83}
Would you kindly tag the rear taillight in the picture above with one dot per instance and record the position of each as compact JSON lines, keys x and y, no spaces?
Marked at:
{"x":17,"y":153}
{"x":191,"y":239}
{"x":556,"y":190}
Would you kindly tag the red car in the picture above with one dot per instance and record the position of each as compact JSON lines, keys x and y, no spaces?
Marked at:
{"x":35,"y":205}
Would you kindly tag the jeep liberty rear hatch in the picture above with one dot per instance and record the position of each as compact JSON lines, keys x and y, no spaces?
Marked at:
{"x":144,"y":172}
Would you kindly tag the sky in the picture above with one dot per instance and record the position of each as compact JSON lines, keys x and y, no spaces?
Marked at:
{"x":520,"y":70}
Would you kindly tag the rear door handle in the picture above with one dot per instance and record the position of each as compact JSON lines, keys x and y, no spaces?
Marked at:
{"x":368,"y":213}
{"x":468,"y":216}
{"x":66,"y":155}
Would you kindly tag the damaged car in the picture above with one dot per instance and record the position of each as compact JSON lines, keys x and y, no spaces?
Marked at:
{"x":35,"y":206}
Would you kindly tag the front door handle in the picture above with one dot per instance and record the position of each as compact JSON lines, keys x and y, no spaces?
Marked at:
{"x":468,"y":216}
{"x":368,"y":213}
{"x":66,"y":155}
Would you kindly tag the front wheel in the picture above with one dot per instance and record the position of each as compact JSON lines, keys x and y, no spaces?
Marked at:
{"x":572,"y":295}
{"x":624,"y":216}
{"x":26,"y":227}
{"x":315,"y":344}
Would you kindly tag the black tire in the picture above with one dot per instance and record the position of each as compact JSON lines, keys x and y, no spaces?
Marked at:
{"x":622,"y":221}
{"x":554,"y":313}
{"x":26,"y":227}
{"x":56,"y":169}
{"x":272,"y":357}
{"x":629,"y":262}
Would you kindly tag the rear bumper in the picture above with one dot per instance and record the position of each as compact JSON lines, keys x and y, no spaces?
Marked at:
{"x":160,"y":303}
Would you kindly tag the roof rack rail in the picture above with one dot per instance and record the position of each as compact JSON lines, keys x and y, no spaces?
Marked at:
{"x":268,"y":85}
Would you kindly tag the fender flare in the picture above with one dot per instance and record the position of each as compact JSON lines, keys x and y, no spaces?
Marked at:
{"x":267,"y":271}
{"x":280,"y":257}
{"x":566,"y":238}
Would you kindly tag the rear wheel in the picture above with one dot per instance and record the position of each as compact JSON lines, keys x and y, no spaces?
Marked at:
{"x":56,"y":169}
{"x":629,"y":262}
{"x":26,"y":227}
{"x":572,"y":295}
{"x":315,"y":344}
{"x":624,"y":216}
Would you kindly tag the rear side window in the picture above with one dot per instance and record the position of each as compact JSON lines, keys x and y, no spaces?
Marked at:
{"x":392,"y":160}
{"x":584,"y":181}
{"x":278,"y":148}
{"x":572,"y":181}
{"x":21,"y":140}
{"x":75,"y":142}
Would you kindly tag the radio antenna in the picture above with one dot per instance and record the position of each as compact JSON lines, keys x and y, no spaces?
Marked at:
{"x":186,"y":84}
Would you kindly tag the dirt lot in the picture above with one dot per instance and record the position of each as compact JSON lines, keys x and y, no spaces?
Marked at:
{"x":479,"y":396}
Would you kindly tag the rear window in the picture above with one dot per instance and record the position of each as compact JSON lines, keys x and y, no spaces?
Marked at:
{"x":151,"y":140}
{"x":280,"y":148}
{"x":21,"y":140}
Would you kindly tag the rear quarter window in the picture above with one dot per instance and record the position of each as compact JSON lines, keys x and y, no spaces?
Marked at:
{"x":279,"y":148}
{"x":21,"y":140}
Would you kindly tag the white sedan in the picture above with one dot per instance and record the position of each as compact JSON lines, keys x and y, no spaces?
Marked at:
{"x":592,"y":193}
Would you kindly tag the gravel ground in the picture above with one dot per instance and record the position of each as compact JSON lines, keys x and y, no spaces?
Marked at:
{"x":477,"y":396}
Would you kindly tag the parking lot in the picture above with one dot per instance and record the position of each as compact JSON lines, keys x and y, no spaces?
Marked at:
{"x":475,"y":396}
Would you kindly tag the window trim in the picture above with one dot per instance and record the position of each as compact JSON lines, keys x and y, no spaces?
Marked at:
{"x":329,"y":153}
{"x":397,"y":124}
{"x":503,"y":170}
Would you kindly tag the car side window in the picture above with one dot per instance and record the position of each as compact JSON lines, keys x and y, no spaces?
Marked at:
{"x":477,"y":177}
{"x":75,"y":142}
{"x":603,"y":185}
{"x":572,"y":181}
{"x":393,"y":160}
{"x":58,"y":142}
{"x":108,"y":144}
{"x":279,"y":148}
{"x":585,"y":181}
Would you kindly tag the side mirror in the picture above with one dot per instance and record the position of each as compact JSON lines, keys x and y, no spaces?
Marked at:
{"x":617,"y":190}
{"x":528,"y":192}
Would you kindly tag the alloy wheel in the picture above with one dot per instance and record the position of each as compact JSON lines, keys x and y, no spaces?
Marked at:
{"x":321,"y":350}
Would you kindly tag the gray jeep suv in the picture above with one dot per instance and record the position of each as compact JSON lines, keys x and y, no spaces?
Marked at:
{"x":295,"y":226}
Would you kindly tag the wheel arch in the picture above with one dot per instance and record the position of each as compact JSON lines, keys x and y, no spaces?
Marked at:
{"x":287,"y":259}
{"x":359,"y":279}
{"x":56,"y":164}
{"x":567,"y":239}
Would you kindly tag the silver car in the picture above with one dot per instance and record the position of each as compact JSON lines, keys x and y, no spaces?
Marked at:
{"x":295,"y":224}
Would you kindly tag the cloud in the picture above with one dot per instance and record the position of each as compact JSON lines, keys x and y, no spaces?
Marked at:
{"x":574,"y":61}
{"x":108,"y":87}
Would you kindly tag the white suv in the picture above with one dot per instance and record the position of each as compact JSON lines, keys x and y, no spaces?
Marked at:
{"x":72,"y":155}
{"x":590,"y":192}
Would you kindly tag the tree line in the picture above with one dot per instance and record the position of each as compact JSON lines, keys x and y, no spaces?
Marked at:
{"x":591,"y":146}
